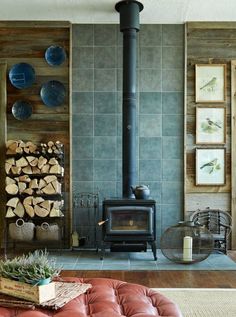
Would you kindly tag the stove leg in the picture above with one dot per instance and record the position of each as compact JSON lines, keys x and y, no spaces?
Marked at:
{"x":102,"y":250}
{"x":154,"y":249}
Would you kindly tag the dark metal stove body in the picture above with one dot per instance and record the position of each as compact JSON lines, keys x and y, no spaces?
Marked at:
{"x":130,"y":224}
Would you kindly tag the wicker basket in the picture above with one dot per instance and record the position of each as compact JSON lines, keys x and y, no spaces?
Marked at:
{"x":48,"y":232}
{"x":21,"y":230}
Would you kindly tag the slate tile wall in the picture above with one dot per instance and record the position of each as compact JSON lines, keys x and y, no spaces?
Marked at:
{"x":96,"y":114}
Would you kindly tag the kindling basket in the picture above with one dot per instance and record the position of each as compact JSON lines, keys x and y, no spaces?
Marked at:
{"x":21,"y":230}
{"x":49,"y":232}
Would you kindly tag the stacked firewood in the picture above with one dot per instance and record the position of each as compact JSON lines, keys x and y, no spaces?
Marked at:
{"x":33,"y":173}
{"x":34,"y":206}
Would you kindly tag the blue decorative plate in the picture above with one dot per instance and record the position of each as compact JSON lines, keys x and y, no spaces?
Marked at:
{"x":53,"y":93}
{"x":21,"y":110}
{"x":22,"y":75}
{"x":55,"y":55}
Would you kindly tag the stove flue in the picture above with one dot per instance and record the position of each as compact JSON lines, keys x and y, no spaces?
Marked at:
{"x":129,"y":26}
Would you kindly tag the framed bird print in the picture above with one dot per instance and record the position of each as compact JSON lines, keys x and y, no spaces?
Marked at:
{"x":210,"y":125}
{"x":210,"y":167}
{"x":210,"y":83}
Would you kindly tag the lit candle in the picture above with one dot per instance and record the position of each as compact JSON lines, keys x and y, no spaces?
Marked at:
{"x":187,"y":248}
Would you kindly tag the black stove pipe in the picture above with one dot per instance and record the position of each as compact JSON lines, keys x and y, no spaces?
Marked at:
{"x":129,"y":25}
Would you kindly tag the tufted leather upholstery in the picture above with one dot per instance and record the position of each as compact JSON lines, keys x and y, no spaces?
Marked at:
{"x":107,"y":298}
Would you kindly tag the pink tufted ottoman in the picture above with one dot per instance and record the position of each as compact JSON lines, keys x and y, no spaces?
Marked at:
{"x":107,"y":298}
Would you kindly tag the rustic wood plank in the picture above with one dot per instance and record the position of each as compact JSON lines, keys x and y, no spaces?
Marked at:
{"x":3,"y":134}
{"x":233,"y":150}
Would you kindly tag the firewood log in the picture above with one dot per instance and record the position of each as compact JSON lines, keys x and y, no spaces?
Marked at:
{"x":42,"y":183}
{"x":33,"y":183}
{"x":27,"y":170}
{"x":21,"y":186}
{"x":19,"y":210}
{"x":34,"y":162}
{"x":55,"y":169}
{"x":40,"y":211}
{"x":11,"y":161}
{"x":37,"y":200}
{"x":29,"y":210}
{"x":10,"y":213}
{"x":46,"y":204}
{"x":41,"y":162}
{"x":54,"y":212}
{"x":49,"y":189}
{"x":24,"y":178}
{"x":45,"y":169}
{"x":50,"y":178}
{"x":28,"y":201}
{"x":13,"y":202}
{"x":9,"y":143}
{"x":16,"y":170}
{"x":22,"y":162}
{"x":31,"y":146}
{"x":12,"y":145}
{"x":7,"y":168}
{"x":12,"y":189}
{"x":30,"y":158}
{"x":36,"y":170}
{"x":28,"y":191}
{"x":53,"y":161}
{"x":10,"y":180}
{"x":57,"y":186}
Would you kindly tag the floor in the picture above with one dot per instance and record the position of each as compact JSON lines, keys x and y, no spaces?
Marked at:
{"x":135,"y":261}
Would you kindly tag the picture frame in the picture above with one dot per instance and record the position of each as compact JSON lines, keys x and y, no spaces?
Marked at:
{"x":210,"y":167}
{"x":210,"y":125}
{"x":210,"y":83}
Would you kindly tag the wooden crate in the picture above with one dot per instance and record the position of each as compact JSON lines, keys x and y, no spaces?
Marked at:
{"x":33,"y":293}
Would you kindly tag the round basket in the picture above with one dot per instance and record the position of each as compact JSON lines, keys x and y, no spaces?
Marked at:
{"x":187,"y":243}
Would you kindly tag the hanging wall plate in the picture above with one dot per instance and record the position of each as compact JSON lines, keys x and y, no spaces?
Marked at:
{"x":53,"y":93}
{"x":55,"y":55}
{"x":21,"y":110}
{"x":22,"y":75}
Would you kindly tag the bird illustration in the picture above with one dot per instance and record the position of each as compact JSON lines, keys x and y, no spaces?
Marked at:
{"x":211,"y":166}
{"x":210,"y":84}
{"x":213,"y":123}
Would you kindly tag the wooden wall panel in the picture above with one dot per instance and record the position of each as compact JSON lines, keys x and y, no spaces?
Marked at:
{"x":207,"y":42}
{"x":27,"y":42}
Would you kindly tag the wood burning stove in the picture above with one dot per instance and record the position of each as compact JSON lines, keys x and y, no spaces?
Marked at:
{"x":129,"y":225}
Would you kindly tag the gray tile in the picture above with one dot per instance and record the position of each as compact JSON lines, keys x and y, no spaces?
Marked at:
{"x":105,"y":125}
{"x":150,"y":57}
{"x":155,"y":190}
{"x":150,"y":170}
{"x":105,"y":147}
{"x":150,"y":103}
{"x":116,"y":267}
{"x":150,"y":79}
{"x":104,"y":170}
{"x":82,"y":148}
{"x":173,"y":125}
{"x":104,"y":57}
{"x":82,"y":102}
{"x":172,"y":170}
{"x":82,"y":35}
{"x":172,"y":148}
{"x":105,"y":79}
{"x":171,"y":214}
{"x":82,"y":125}
{"x":173,"y":57}
{"x":172,"y":103}
{"x":119,"y":78}
{"x":105,"y":102}
{"x":172,"y":193}
{"x":150,"y":125}
{"x":173,"y":34}
{"x":150,"y":35}
{"x":82,"y":79}
{"x":106,"y":189}
{"x":105,"y":34}
{"x":80,"y":186}
{"x":119,"y":52}
{"x":82,"y":57}
{"x":150,"y":148}
{"x":82,"y":170}
{"x":172,"y":80}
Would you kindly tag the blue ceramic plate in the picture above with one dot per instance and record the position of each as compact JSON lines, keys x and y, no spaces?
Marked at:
{"x":22,"y":75}
{"x":55,"y":55}
{"x":21,"y":110}
{"x":53,"y":93}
